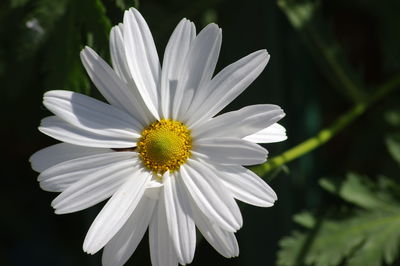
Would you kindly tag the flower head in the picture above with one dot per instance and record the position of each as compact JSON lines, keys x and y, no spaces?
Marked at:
{"x":158,"y":150}
{"x":164,"y":146}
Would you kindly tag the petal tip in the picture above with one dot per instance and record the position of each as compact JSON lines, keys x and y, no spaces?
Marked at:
{"x":87,"y":250}
{"x":59,"y":211}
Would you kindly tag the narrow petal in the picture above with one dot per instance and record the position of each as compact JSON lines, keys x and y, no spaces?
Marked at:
{"x":223,"y":241}
{"x":117,"y":52}
{"x":179,"y":218}
{"x":61,"y":152}
{"x":91,"y":115}
{"x":153,"y":188}
{"x":162,"y":251}
{"x":175,"y":53}
{"x":198,"y":68}
{"x":210,"y":195}
{"x":63,"y":131}
{"x":241,"y":123}
{"x":230,"y":151}
{"x":227,"y":85}
{"x":118,"y":92}
{"x":142,"y":57}
{"x":124,"y":243}
{"x":246,"y":186}
{"x":62,"y":175}
{"x":271,"y":134}
{"x":94,"y":188}
{"x":116,"y":212}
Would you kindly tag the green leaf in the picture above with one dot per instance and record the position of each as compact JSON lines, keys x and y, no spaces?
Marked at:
{"x":332,"y":242}
{"x":369,"y":234}
{"x":381,"y":242}
{"x":324,"y":245}
{"x":291,"y":248}
{"x":359,"y":191}
{"x":305,"y":219}
{"x":393,"y":146}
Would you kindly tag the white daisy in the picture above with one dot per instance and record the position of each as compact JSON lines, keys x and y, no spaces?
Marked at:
{"x":158,"y":149}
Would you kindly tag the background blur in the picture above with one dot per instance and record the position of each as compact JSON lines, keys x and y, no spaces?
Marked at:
{"x":326,"y":57}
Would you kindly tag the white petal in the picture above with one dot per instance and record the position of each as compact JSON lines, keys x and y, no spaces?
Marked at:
{"x":197,"y":69}
{"x":153,"y":189}
{"x":116,"y":212}
{"x":142,"y":57}
{"x":116,"y":91}
{"x":230,"y":151}
{"x":179,"y":218}
{"x":175,"y":53}
{"x":227,"y":85}
{"x":223,"y":241}
{"x":210,"y":195}
{"x":61,"y":152}
{"x":162,"y":251}
{"x":97,"y":186}
{"x":124,"y":243}
{"x":117,"y":52}
{"x":246,"y":186}
{"x":240,"y":123}
{"x":91,"y":115}
{"x":60,"y":176}
{"x":271,"y":134}
{"x":63,"y":131}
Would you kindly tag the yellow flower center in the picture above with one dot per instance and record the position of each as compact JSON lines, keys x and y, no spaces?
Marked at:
{"x":165,"y":145}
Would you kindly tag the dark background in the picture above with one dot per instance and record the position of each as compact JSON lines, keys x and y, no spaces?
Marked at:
{"x":34,"y":60}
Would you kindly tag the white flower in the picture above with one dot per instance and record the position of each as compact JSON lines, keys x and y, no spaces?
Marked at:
{"x":158,"y":149}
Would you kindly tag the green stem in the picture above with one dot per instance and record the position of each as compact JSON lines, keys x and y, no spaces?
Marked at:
{"x":328,"y":133}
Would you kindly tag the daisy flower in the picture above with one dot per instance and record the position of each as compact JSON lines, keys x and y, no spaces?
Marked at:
{"x":159,"y":150}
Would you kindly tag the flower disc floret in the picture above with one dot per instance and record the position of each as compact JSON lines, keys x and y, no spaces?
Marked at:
{"x":165,"y":145}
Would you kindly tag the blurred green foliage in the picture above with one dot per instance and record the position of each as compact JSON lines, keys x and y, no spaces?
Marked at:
{"x":364,"y":232}
{"x":328,"y":57}
{"x":364,"y":228}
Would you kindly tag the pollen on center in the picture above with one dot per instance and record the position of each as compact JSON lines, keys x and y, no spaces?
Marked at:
{"x":165,"y":145}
